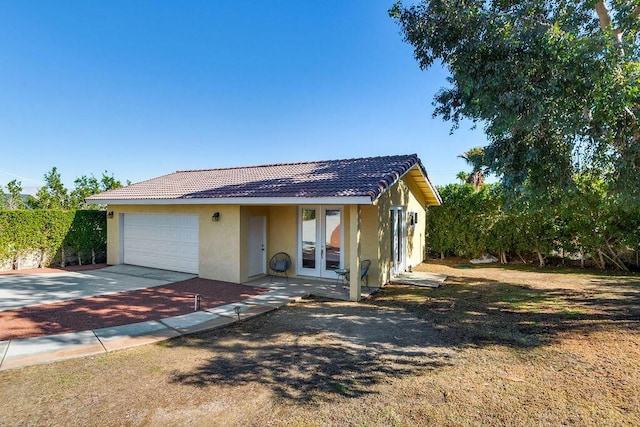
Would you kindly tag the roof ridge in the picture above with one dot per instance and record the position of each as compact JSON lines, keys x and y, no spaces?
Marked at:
{"x":292,"y":164}
{"x":355,"y":177}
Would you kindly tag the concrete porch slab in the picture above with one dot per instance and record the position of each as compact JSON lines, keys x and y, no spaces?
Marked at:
{"x":31,"y":351}
{"x":135,"y":334}
{"x":310,"y":286}
{"x":295,"y":293}
{"x":276,"y":298}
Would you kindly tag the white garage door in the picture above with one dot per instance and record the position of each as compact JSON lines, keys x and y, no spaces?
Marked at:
{"x":169,"y":242}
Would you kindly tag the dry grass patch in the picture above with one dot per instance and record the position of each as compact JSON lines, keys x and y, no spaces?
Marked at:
{"x":491,"y":347}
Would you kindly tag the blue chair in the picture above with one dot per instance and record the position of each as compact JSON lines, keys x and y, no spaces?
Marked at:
{"x":365,"y":264}
{"x":280,"y":263}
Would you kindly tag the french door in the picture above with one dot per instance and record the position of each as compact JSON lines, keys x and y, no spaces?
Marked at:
{"x":320,"y":241}
{"x":398,"y":227}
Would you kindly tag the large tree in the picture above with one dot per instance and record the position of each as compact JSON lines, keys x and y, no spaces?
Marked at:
{"x":53,"y":195}
{"x":86,"y":186}
{"x":554,"y":83}
{"x":12,"y":200}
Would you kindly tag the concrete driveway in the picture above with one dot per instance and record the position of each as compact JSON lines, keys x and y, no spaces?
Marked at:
{"x":22,"y":290}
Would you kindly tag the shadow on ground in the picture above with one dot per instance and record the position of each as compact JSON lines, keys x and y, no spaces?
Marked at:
{"x":316,"y":350}
{"x":474,"y":311}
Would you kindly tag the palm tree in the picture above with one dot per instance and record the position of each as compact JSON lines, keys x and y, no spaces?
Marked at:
{"x":475,"y":158}
{"x":462,"y":176}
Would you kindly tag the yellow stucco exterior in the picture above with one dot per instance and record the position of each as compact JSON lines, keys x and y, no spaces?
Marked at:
{"x":218,"y":242}
{"x":223,"y":245}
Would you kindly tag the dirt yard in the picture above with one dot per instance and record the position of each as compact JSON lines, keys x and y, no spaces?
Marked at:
{"x":494,"y":346}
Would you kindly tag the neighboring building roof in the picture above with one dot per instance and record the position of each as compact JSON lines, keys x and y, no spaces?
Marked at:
{"x":359,"y":181}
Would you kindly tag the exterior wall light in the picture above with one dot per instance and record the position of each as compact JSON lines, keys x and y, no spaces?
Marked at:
{"x":413,"y":218}
{"x":110,"y":214}
{"x":216,"y":217}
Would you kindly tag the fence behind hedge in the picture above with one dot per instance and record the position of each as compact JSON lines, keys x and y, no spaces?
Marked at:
{"x":41,"y":237}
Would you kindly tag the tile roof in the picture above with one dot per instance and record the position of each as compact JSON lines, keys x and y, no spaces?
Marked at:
{"x":368,"y":177}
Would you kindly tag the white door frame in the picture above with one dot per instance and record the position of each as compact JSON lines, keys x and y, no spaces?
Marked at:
{"x":256,"y":250}
{"x":398,"y":223}
{"x":120,"y":238}
{"x":319,"y":260}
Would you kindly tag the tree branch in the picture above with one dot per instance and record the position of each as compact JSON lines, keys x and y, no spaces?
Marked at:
{"x":603,"y":15}
{"x":605,"y":20}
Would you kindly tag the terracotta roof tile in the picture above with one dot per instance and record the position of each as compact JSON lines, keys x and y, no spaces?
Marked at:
{"x":332,"y":178}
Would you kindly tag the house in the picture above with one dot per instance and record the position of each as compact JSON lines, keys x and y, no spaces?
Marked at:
{"x":225,"y":224}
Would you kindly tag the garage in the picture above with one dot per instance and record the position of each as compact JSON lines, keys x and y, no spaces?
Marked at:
{"x":169,"y":242}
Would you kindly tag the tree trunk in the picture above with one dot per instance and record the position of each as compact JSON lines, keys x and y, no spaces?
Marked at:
{"x":597,"y":261}
{"x":93,"y":256}
{"x":615,"y":259}
{"x":540,"y":259}
{"x":441,"y":255}
{"x":62,"y":257}
{"x":602,"y":262}
{"x":619,"y":264}
{"x":476,"y":178}
{"x":79,"y":258}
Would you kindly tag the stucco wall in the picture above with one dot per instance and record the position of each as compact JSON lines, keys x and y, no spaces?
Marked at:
{"x":369,"y":242}
{"x":405,"y":195}
{"x":282,"y":234}
{"x":219,"y":242}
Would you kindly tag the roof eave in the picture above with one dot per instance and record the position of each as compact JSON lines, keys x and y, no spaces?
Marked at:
{"x":335,"y":200}
{"x":423,"y":172}
{"x":432,"y":188}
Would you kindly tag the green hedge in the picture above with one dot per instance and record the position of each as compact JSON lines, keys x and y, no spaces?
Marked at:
{"x":584,"y":222}
{"x":45,"y":232}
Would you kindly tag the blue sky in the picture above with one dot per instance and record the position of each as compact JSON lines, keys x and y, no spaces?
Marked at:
{"x":144,"y":88}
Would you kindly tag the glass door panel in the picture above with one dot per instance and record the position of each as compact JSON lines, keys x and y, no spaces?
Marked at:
{"x":398,"y":237}
{"x":332,"y":239}
{"x":399,"y":233}
{"x":309,"y":238}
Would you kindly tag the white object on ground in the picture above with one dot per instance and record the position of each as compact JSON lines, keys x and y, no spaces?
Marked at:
{"x":484,"y":259}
